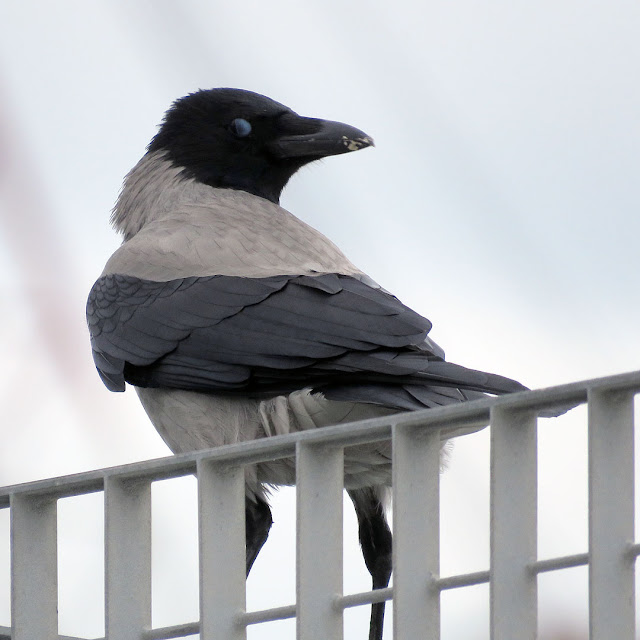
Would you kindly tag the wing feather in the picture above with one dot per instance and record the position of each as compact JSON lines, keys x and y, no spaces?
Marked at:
{"x":333,"y":332}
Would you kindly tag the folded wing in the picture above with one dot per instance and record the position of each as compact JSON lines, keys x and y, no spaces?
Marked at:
{"x":265,"y":336}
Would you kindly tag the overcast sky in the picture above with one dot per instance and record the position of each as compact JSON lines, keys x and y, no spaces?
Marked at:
{"x":501,"y":201}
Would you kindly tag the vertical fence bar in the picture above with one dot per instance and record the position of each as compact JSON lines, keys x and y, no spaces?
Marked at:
{"x":611,"y":529}
{"x":34,"y":568}
{"x":416,"y":532}
{"x":320,"y":482}
{"x":514,"y":480}
{"x":221,"y":506}
{"x":127,"y":557}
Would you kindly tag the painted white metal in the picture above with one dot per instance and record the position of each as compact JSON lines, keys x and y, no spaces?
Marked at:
{"x":222,"y":550}
{"x":320,"y":471}
{"x":319,"y":608}
{"x":611,"y":478}
{"x":366,"y":597}
{"x":127,"y":557}
{"x":5,"y":634}
{"x":513,"y":546}
{"x":416,"y":529}
{"x":168,"y":633}
{"x":565,"y":562}
{"x":34,"y":568}
{"x":268,"y":615}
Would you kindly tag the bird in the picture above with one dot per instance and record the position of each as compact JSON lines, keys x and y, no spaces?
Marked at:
{"x":234,"y":320}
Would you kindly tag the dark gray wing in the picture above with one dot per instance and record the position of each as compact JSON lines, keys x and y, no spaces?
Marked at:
{"x":269,"y":335}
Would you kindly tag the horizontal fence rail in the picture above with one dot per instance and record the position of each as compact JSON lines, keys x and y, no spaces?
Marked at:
{"x":320,"y":603}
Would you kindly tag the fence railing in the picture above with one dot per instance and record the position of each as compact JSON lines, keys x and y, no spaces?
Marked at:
{"x":320,"y":603}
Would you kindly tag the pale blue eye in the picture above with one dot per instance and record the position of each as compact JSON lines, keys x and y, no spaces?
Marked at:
{"x":240,"y":127}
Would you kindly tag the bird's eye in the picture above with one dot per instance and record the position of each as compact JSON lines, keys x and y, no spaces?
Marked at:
{"x":240,"y":127}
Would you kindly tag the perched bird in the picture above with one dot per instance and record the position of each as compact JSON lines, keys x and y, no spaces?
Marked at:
{"x":235,"y":321}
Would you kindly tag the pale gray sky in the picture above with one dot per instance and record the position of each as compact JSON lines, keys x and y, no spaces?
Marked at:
{"x":501,"y":201}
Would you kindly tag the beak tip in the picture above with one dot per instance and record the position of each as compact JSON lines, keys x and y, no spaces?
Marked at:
{"x":357,"y":143}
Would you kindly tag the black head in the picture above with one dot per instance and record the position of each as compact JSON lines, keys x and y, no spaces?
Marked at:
{"x":238,"y":139}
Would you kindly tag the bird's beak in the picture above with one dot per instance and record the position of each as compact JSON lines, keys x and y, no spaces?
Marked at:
{"x":328,"y":139}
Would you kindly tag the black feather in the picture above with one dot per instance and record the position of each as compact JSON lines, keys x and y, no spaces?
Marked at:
{"x":264,"y":336}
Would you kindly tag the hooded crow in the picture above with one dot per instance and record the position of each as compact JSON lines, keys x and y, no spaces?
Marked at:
{"x":235,"y":321}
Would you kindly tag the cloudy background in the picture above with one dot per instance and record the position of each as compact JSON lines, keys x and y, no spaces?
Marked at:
{"x":501,"y":201}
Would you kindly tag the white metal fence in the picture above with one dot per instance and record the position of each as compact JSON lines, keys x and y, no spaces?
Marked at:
{"x":320,"y":603}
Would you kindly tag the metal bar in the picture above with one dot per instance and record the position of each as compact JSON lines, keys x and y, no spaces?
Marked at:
{"x":127,"y":558}
{"x":462,"y":580}
{"x":61,"y":487}
{"x":611,"y":530}
{"x":513,"y":587}
{"x":175,"y":631}
{"x":320,"y":482}
{"x":221,"y":506}
{"x":465,"y":414}
{"x":268,"y":615}
{"x":416,"y":532}
{"x":612,"y":553}
{"x":5,"y":634}
{"x":365,"y":597}
{"x":364,"y":431}
{"x":34,"y":568}
{"x":564,"y":562}
{"x":263,"y":450}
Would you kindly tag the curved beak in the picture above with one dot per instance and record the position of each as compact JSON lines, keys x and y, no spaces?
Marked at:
{"x":328,"y":138}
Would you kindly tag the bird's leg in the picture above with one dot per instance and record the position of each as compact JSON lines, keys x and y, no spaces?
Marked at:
{"x":376,"y":544}
{"x":258,"y":522}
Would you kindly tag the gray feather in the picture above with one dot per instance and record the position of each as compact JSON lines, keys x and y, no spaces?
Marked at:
{"x":270,"y":335}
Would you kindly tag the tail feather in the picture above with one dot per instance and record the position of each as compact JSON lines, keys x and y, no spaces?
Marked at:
{"x":412,"y":381}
